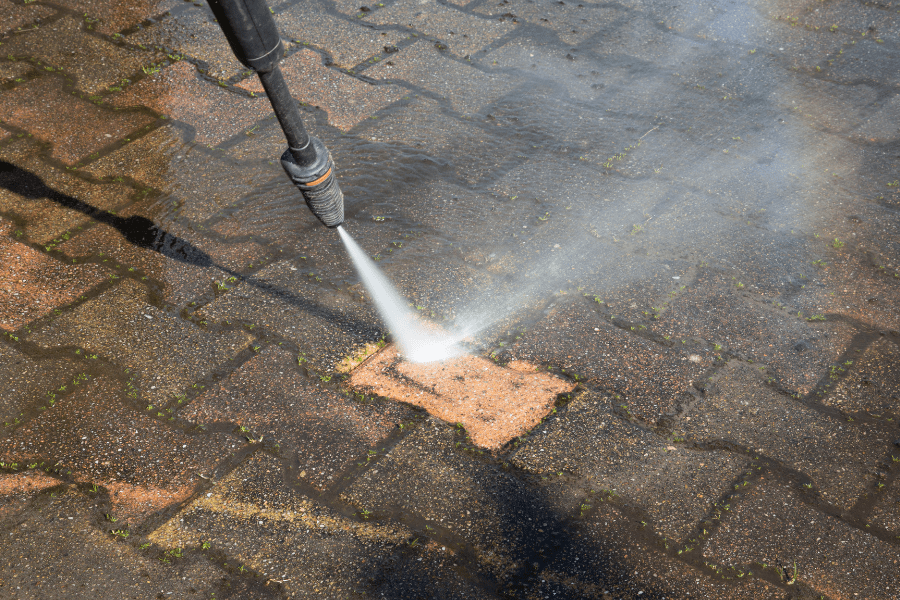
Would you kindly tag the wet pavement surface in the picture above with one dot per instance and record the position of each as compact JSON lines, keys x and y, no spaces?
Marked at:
{"x":673,"y":230}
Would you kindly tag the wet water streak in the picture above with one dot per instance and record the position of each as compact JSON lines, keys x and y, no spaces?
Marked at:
{"x":416,"y":343}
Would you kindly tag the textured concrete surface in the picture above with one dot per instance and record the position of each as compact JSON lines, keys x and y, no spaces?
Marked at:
{"x":668,"y":236}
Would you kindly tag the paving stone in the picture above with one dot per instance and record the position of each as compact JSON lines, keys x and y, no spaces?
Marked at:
{"x":602,"y":560}
{"x":423,"y":66}
{"x":464,"y":33}
{"x":96,"y":66}
{"x":347,"y":43}
{"x":178,"y":92}
{"x":181,"y":264}
{"x":165,"y":353}
{"x":836,"y":454}
{"x":676,"y":486}
{"x":145,"y":465}
{"x":320,"y":432}
{"x":32,"y":283}
{"x":572,"y":23}
{"x":29,"y":380}
{"x":873,"y":385}
{"x":327,"y":326}
{"x":348,"y":101}
{"x":13,"y":70}
{"x":195,"y":184}
{"x":75,"y":127}
{"x":650,"y":378}
{"x":870,"y":299}
{"x":49,"y":203}
{"x":13,"y":16}
{"x":194,"y":33}
{"x":112,"y":18}
{"x":754,"y":327}
{"x":256,"y":519}
{"x":886,"y":512}
{"x":17,"y":490}
{"x":772,"y":525}
{"x":495,"y":404}
{"x":63,"y":530}
{"x":425,"y":476}
{"x":867,"y":62}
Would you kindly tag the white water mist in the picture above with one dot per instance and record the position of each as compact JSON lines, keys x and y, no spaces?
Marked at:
{"x":416,"y":343}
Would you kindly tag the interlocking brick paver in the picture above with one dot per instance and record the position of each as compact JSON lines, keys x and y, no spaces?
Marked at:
{"x":49,"y":203}
{"x":348,"y":43}
{"x":772,"y":525}
{"x":286,"y":537}
{"x":14,"y":16}
{"x":424,"y":475}
{"x":110,"y":18}
{"x":464,"y":33}
{"x":572,"y":23}
{"x":32,"y":283}
{"x":185,"y":264}
{"x":676,"y":486}
{"x":145,"y":465}
{"x":18,"y":489}
{"x":886,"y":512}
{"x":347,"y":101}
{"x":195,"y":184}
{"x":327,"y":326}
{"x":75,"y":127}
{"x":165,"y":353}
{"x":422,"y":65}
{"x":837,"y":454}
{"x":321,"y":432}
{"x":873,"y":385}
{"x":97,"y":65}
{"x":600,"y":560}
{"x":194,"y":33}
{"x":754,"y":327}
{"x":28,"y":381}
{"x":495,"y":404}
{"x":64,"y":531}
{"x":578,"y":339}
{"x":178,"y":92}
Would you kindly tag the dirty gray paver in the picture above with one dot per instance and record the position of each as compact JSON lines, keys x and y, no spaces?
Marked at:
{"x":166,"y":354}
{"x":427,"y":476}
{"x":774,"y":527}
{"x":29,"y":381}
{"x":319,"y":432}
{"x":873,"y":383}
{"x":838,"y":454}
{"x":286,"y":537}
{"x":676,"y":486}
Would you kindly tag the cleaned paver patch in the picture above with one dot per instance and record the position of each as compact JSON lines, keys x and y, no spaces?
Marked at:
{"x":495,"y":404}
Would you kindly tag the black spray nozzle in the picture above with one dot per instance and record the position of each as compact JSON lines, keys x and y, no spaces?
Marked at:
{"x":253,"y":36}
{"x":317,"y":184}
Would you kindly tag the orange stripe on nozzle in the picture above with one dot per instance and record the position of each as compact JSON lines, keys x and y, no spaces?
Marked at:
{"x":320,"y":179}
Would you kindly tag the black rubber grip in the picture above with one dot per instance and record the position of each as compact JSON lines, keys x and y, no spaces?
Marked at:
{"x":317,"y":184}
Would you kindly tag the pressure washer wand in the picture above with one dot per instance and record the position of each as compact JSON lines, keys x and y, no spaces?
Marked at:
{"x":251,"y":31}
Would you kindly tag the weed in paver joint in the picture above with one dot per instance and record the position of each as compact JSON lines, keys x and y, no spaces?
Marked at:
{"x":837,"y":244}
